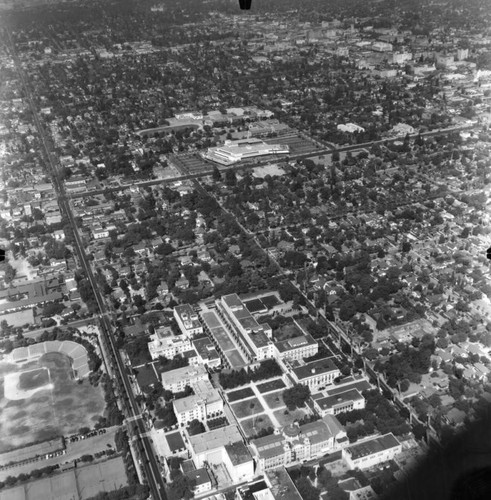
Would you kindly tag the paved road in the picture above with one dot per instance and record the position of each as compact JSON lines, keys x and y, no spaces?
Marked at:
{"x":111,"y":355}
{"x":304,"y":156}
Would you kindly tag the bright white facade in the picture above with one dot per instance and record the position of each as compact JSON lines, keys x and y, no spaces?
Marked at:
{"x":316,"y":374}
{"x":372,"y":452}
{"x":187,"y":320}
{"x":254,"y":338}
{"x":167,"y":345}
{"x":303,"y":346}
{"x":177,"y":380}
{"x":234,"y":151}
{"x":204,"y":404}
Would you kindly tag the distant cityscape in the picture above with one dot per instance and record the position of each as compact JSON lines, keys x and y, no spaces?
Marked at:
{"x":245,"y":250}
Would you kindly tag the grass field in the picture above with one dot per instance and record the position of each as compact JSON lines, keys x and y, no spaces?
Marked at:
{"x":270,"y":386}
{"x":34,"y":379}
{"x":247,"y":392}
{"x":290,"y":416}
{"x":49,"y":412}
{"x":247,"y":408}
{"x":251,"y":426}
{"x":274,"y":400}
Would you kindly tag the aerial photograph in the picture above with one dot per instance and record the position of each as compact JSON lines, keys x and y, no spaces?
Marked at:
{"x":245,"y":249}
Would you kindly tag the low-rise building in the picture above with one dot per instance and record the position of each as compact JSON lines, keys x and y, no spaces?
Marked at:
{"x":204,"y":404}
{"x":164,"y":343}
{"x":177,"y":380}
{"x":339,"y":403}
{"x":303,"y":346}
{"x":207,"y":353}
{"x":371,"y":452}
{"x":200,"y":479}
{"x":187,"y":320}
{"x":316,"y":374}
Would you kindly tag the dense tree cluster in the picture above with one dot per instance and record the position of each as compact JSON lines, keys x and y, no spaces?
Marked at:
{"x":267,"y":369}
{"x":296,"y":396}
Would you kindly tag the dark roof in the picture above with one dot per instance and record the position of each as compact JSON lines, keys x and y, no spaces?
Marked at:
{"x":324,"y":365}
{"x":238,"y":453}
{"x":372,"y":446}
{"x":175,"y":441}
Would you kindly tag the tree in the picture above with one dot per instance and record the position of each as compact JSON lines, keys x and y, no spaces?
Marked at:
{"x":10,"y":273}
{"x":306,"y":490}
{"x":216,"y":175}
{"x":296,"y":396}
{"x":196,"y":427}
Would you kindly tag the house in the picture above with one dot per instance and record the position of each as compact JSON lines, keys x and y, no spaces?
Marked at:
{"x":182,"y":283}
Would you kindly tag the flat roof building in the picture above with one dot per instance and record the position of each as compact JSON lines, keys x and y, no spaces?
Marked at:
{"x":339,"y":403}
{"x":187,"y":320}
{"x":371,"y":452}
{"x":303,"y":346}
{"x":315,"y":374}
{"x":177,"y":380}
{"x":234,"y":151}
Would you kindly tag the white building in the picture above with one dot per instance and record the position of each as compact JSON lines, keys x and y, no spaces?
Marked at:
{"x":204,"y":404}
{"x":164,"y":344}
{"x":334,"y":404}
{"x":234,"y":151}
{"x":371,"y":452}
{"x":177,"y":380}
{"x":187,"y":320}
{"x":303,"y":346}
{"x":200,"y":479}
{"x":297,"y":443}
{"x":254,"y":338}
{"x":316,"y":374}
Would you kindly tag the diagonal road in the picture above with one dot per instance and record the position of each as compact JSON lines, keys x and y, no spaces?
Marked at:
{"x":112,"y":357}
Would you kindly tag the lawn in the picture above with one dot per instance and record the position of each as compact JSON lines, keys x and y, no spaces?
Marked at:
{"x":271,"y":385}
{"x":146,"y":376}
{"x":34,"y":379}
{"x":288,"y":331}
{"x":251,"y":426}
{"x":290,"y":416}
{"x":247,"y":408}
{"x":274,"y":400}
{"x":60,"y":410}
{"x":247,"y":392}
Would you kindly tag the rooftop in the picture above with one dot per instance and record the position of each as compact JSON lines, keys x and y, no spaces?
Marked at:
{"x":238,"y":453}
{"x":338,"y":399}
{"x":314,"y":368}
{"x":215,"y":439}
{"x":375,"y":445}
{"x":282,"y":486}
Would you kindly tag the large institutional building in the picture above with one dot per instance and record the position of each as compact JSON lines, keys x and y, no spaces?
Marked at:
{"x":316,"y":374}
{"x":234,"y":151}
{"x":177,"y":380}
{"x":253,"y":337}
{"x":296,"y":443}
{"x":372,"y":452}
{"x":204,"y":404}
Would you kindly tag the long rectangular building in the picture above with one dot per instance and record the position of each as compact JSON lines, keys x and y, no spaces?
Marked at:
{"x":372,"y":452}
{"x":255,"y":338}
{"x":316,"y":374}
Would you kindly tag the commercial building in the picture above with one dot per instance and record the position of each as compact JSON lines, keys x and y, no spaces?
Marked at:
{"x":164,"y":343}
{"x":239,"y":462}
{"x":204,"y":404}
{"x":372,"y":452}
{"x":234,"y":151}
{"x":339,"y":403}
{"x":177,"y":380}
{"x":254,"y":338}
{"x":187,"y":320}
{"x":316,"y":374}
{"x":303,"y":346}
{"x":296,"y":443}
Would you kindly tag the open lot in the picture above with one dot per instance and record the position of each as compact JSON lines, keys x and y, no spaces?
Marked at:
{"x":45,"y":401}
{"x":288,"y":417}
{"x":274,"y":400}
{"x":146,"y":375}
{"x":271,"y":385}
{"x":247,"y":408}
{"x":191,"y":163}
{"x":239,"y":394}
{"x":297,"y":145}
{"x":223,"y":340}
{"x":235,"y":359}
{"x":251,"y":426}
{"x":77,"y":484}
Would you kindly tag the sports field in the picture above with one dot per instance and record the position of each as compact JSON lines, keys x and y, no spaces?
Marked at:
{"x":40,"y":400}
